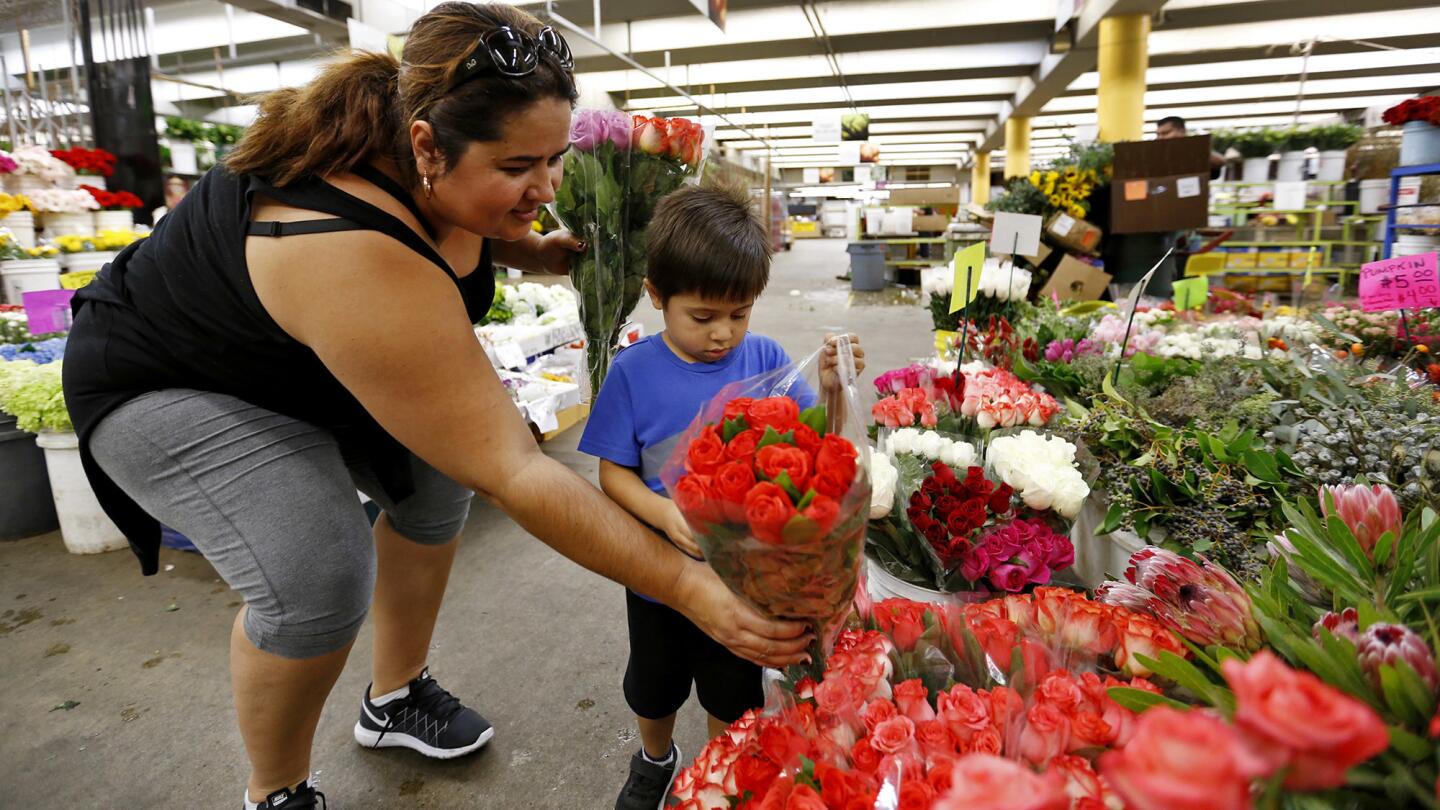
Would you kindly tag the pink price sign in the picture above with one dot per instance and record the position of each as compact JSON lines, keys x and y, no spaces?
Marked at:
{"x":1404,"y":282}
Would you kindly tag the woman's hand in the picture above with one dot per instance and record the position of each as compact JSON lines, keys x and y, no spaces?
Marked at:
{"x":715,"y":609}
{"x":830,"y":362}
{"x":555,"y":250}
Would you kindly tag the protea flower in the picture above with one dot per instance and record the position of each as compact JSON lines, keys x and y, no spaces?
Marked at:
{"x":1310,"y":590}
{"x":1199,"y":601}
{"x":1387,"y":643}
{"x":1345,"y":624}
{"x":1368,"y":511}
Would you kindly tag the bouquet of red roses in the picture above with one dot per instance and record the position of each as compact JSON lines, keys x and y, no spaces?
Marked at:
{"x":778,"y":494}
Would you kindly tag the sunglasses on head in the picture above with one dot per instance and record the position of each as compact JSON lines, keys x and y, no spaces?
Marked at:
{"x":514,"y":53}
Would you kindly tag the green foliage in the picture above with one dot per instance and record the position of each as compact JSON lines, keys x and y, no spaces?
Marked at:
{"x":1329,"y":137}
{"x":33,"y":395}
{"x":1254,"y":143}
{"x":1020,"y":197}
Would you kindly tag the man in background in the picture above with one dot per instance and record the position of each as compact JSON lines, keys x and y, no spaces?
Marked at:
{"x":1174,"y":127}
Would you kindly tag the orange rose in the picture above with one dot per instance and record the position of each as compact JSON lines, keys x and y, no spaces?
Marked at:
{"x":706,"y":453}
{"x":1301,"y":722}
{"x":1143,"y":635}
{"x":767,"y":510}
{"x":785,"y":458}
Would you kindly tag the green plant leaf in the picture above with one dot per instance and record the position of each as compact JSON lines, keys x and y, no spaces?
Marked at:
{"x":816,"y":418}
{"x":1398,"y":699}
{"x":733,"y":427}
{"x":1411,"y":746}
{"x":805,"y":501}
{"x":783,"y":481}
{"x":1186,"y":674}
{"x":1138,"y":700}
{"x":1113,"y":517}
{"x":774,"y":437}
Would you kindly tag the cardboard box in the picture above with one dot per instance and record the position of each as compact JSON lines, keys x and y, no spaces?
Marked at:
{"x":1299,"y":260}
{"x":929,"y":223}
{"x":946,"y":195}
{"x":1161,"y":185}
{"x":1075,"y":280}
{"x":1270,"y":259}
{"x":1075,"y":234}
{"x":1242,"y":260}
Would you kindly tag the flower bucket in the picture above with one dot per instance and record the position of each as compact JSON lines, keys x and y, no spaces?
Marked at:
{"x":182,"y":157}
{"x":24,"y":183}
{"x":92,"y":180}
{"x":84,"y":526}
{"x":1291,"y":168}
{"x":69,"y":224}
{"x":26,"y":508}
{"x":1100,"y":558}
{"x":884,"y":585}
{"x":1420,"y":143}
{"x":87,"y":262}
{"x":1373,"y":194}
{"x":21,"y":225}
{"x":29,"y":275}
{"x":1332,"y":166}
{"x":113,"y":220}
{"x":1256,"y":170}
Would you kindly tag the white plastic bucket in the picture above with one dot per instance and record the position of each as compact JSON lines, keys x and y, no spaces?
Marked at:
{"x":91,"y":180}
{"x":1420,"y":143}
{"x":1332,"y":166}
{"x":84,"y":526}
{"x":1100,"y":558}
{"x":1412,"y":244}
{"x":69,"y":224}
{"x":1291,"y":167}
{"x":21,"y":225}
{"x":29,"y":275}
{"x":87,"y":262}
{"x":1255,"y":170}
{"x":881,"y":584}
{"x":113,"y":221}
{"x":1373,"y":194}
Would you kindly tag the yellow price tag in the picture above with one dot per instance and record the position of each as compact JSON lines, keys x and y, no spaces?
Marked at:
{"x":1310,"y":267}
{"x":74,"y":281}
{"x":1191,"y":293}
{"x":968,"y":264}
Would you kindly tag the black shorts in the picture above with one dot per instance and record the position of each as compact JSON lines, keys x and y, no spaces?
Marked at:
{"x":668,"y":652}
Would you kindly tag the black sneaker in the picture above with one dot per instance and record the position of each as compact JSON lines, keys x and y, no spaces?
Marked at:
{"x":429,"y":720}
{"x":649,"y":784}
{"x":302,"y":797}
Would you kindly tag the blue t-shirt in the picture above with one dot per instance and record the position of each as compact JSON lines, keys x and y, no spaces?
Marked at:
{"x":651,"y":396}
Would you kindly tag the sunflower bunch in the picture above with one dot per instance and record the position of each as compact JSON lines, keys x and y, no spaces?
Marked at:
{"x":1066,"y":188}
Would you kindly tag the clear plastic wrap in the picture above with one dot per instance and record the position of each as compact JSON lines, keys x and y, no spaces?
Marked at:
{"x":774,"y":480}
{"x":617,"y":170}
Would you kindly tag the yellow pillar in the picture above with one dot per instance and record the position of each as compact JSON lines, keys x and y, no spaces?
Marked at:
{"x":980,"y":179}
{"x":1017,"y":146}
{"x":1124,"y":55}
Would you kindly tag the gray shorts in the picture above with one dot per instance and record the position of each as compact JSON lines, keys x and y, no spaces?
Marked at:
{"x":271,"y":504}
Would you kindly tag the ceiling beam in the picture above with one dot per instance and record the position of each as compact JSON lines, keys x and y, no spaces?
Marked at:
{"x":1057,"y":71}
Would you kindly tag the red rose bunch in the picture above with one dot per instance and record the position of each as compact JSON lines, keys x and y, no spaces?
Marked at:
{"x":114,"y":200}
{"x":679,"y":138}
{"x":1423,"y":108}
{"x":948,"y":510}
{"x":870,"y":727}
{"x":779,"y":505}
{"x":87,"y":161}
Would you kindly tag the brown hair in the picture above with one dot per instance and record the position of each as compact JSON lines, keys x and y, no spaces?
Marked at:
{"x":361,"y":106}
{"x":708,"y":240}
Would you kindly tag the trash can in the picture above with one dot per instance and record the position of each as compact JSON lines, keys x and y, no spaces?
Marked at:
{"x":26,"y":508}
{"x":867,"y":265}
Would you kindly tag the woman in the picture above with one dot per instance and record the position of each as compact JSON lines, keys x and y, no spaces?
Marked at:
{"x":233,"y":387}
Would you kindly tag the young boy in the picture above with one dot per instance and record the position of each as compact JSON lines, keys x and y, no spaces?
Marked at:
{"x":708,"y":260}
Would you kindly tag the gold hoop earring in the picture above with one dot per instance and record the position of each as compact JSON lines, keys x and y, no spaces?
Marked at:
{"x":429,"y":189}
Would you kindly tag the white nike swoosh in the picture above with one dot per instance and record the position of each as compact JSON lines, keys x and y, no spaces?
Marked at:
{"x":380,"y":721}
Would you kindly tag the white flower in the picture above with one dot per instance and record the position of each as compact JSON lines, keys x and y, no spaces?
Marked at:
{"x":904,"y":441}
{"x":1041,"y":469}
{"x":939,"y":280}
{"x":959,"y":455}
{"x":1003,"y":281}
{"x":883,"y":477}
{"x":930,"y":444}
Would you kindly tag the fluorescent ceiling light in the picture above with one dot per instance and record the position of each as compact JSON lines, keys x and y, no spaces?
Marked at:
{"x":1367,"y":25}
{"x":860,"y":63}
{"x":964,"y":138}
{"x":952,"y":108}
{"x":836,"y":95}
{"x":1287,"y":66}
{"x":841,"y":18}
{"x":1288,"y":90}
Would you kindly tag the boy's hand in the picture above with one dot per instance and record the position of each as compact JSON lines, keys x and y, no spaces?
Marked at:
{"x":678,"y":530}
{"x":830,"y":361}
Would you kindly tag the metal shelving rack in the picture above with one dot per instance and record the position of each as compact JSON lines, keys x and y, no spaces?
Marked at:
{"x":1395,"y":176}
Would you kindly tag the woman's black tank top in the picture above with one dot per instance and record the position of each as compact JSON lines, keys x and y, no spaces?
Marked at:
{"x":178,"y":310}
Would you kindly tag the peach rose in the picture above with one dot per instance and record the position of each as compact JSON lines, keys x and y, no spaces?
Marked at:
{"x":985,"y":782}
{"x":1182,"y":761}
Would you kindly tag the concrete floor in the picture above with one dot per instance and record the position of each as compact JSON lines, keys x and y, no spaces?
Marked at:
{"x":120,"y":689}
